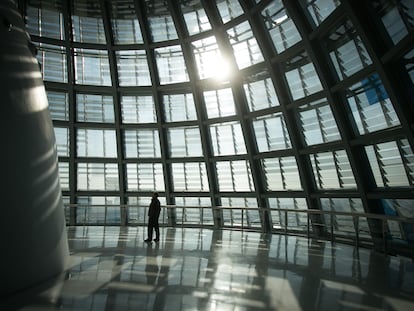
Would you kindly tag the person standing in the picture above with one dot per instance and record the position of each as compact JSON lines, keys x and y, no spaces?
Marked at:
{"x":153,"y":215}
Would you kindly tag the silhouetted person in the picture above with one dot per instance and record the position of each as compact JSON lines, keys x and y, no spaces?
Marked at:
{"x":153,"y":215}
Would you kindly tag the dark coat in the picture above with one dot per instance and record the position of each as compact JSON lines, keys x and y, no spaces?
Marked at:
{"x":154,"y":209}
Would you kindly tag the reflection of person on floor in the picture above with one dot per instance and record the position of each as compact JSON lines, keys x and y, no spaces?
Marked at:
{"x":151,"y":267}
{"x":153,"y":215}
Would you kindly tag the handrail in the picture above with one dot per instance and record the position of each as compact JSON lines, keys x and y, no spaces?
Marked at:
{"x":382,"y":219}
{"x":308,"y":211}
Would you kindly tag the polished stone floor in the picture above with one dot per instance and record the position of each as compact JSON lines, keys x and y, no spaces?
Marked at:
{"x":111,"y":268}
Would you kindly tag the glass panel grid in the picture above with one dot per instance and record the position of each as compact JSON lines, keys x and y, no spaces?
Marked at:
{"x":209,"y":60}
{"x":402,"y":208}
{"x":64,"y":175}
{"x":87,"y":214}
{"x":198,"y":216}
{"x":397,"y":17}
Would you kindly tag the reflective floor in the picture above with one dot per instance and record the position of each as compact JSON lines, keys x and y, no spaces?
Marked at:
{"x":111,"y":268}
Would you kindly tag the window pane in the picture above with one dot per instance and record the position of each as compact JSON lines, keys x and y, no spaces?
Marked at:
{"x":138,"y":109}
{"x":96,"y":143}
{"x":64,"y":175}
{"x":62,"y":141}
{"x":227,"y":139}
{"x":302,"y":77}
{"x":219,"y":103}
{"x":370,"y":105}
{"x":95,"y":108}
{"x":245,"y":47}
{"x":58,"y":105}
{"x":229,"y":9}
{"x":124,"y":21}
{"x":171,"y":65}
{"x":240,"y":216}
{"x":320,"y":9}
{"x":344,"y":224}
{"x":142,"y":143}
{"x":281,"y":27}
{"x":184,"y":142}
{"x":200,"y":216}
{"x":52,"y":61}
{"x":133,"y":68}
{"x":332,"y":170}
{"x":347,"y":51}
{"x":195,"y":17}
{"x":93,"y":210}
{"x":179,"y":107}
{"x":317,"y":123}
{"x":190,"y":176}
{"x":97,"y":176}
{"x":261,"y":94}
{"x":392,"y":163}
{"x":45,"y":19}
{"x":161,"y":24}
{"x":397,"y":17}
{"x":271,"y":133}
{"x":234,"y":176}
{"x":87,"y":22}
{"x":209,"y":60}
{"x":281,"y":174}
{"x":145,"y":177}
{"x":92,"y":67}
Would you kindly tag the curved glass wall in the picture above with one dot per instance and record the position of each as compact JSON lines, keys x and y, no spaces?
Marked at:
{"x":264,"y":104}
